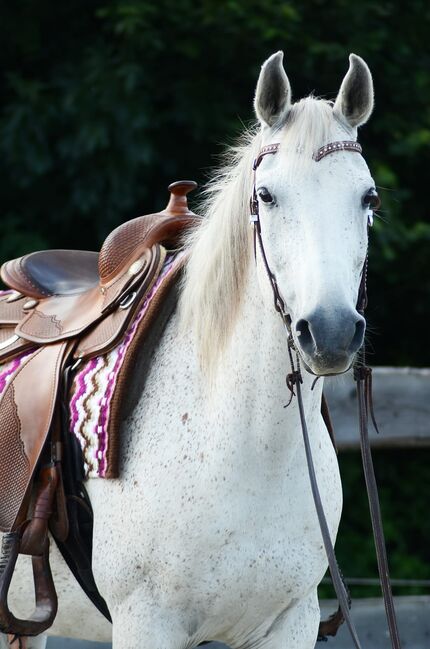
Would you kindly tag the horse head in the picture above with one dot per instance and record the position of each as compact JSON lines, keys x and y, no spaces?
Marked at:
{"x":314,"y":210}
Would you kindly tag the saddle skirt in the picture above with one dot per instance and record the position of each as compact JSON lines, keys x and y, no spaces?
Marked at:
{"x":97,"y":394}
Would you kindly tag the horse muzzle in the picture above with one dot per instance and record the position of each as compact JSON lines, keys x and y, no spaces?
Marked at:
{"x":328,"y":341}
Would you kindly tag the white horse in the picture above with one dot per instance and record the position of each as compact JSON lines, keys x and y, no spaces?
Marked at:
{"x":211,"y":532}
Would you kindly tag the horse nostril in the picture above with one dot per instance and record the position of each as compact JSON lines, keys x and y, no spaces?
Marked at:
{"x":358,"y":337}
{"x":304,"y":334}
{"x":330,"y":337}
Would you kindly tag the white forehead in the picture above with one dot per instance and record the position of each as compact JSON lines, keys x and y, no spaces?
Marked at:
{"x":311,"y":124}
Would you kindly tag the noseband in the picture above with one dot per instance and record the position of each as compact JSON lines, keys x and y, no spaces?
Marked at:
{"x":363,"y":378}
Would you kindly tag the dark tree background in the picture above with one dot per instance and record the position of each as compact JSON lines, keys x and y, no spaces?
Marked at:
{"x":104,"y":102}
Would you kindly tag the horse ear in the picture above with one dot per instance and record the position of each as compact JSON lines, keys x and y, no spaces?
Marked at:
{"x":354,"y":102}
{"x":273,"y":93}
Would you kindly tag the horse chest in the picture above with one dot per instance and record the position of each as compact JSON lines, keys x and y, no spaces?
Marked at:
{"x":204,"y":530}
{"x":213,"y":509}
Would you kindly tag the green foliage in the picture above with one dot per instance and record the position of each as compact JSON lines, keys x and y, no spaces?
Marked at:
{"x":104,"y":102}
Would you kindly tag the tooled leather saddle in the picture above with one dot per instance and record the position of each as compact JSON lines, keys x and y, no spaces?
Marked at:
{"x":64,"y":307}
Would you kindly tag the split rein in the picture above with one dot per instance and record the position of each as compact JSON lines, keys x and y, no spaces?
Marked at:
{"x":363,"y":379}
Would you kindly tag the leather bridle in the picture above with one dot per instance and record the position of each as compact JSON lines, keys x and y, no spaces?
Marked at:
{"x":363,"y":378}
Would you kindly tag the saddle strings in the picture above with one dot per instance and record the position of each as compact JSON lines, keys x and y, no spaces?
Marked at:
{"x":363,"y":378}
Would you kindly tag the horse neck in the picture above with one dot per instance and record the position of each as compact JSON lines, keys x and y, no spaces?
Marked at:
{"x":254,"y":369}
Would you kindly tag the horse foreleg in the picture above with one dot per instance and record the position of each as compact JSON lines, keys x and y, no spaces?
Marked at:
{"x":135,"y":625}
{"x":295,"y":628}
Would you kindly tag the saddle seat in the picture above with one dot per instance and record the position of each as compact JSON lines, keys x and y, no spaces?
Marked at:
{"x":52,"y":272}
{"x":48,"y":273}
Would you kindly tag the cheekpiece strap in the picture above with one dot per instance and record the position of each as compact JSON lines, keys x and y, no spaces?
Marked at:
{"x":332,"y":147}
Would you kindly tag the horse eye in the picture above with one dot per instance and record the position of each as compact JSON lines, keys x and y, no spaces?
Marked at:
{"x":265,"y":195}
{"x":371,"y":199}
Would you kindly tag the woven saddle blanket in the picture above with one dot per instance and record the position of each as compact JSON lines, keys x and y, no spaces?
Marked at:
{"x":99,"y":386}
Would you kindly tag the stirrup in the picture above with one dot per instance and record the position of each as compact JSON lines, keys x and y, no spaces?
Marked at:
{"x":46,"y":597}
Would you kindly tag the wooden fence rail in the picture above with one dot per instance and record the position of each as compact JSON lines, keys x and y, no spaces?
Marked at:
{"x":402,"y":406}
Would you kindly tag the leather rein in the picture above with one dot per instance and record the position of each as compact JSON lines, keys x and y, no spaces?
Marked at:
{"x":363,"y":379}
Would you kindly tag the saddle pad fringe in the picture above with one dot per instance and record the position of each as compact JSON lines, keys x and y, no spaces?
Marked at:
{"x":7,"y":370}
{"x":94,"y":386}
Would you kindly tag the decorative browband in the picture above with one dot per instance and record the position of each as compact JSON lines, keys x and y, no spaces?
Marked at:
{"x":269,"y":148}
{"x":345,"y":145}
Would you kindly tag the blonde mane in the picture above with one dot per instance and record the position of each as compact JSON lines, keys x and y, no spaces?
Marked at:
{"x":220,"y":247}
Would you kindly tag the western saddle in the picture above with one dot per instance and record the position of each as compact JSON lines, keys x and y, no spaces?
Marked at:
{"x":65,"y":307}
